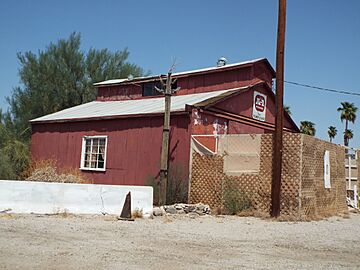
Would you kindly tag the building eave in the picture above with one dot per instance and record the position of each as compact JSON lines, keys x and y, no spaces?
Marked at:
{"x":112,"y":117}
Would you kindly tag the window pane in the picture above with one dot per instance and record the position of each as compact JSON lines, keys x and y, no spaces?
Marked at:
{"x":93,"y":164}
{"x":102,"y":142}
{"x":95,"y":142}
{"x":149,"y":89}
{"x":101,"y":164}
{"x":101,"y":156}
{"x":102,"y":150}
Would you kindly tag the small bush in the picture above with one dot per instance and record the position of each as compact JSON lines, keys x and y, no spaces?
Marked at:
{"x":14,"y":159}
{"x":177,"y":186}
{"x":218,"y":211}
{"x":47,"y":171}
{"x":6,"y":168}
{"x":137,"y":213}
{"x":235,"y":200}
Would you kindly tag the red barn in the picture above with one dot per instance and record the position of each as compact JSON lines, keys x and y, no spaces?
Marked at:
{"x":117,"y":138}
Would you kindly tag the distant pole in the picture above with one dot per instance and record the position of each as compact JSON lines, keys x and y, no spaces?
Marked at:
{"x":279,"y":120}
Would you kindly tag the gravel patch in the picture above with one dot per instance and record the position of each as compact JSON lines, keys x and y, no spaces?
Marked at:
{"x":177,"y":242}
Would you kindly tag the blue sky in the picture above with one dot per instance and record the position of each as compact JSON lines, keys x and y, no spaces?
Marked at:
{"x":322,"y":41}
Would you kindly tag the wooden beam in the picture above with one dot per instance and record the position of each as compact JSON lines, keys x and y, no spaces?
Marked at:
{"x":242,"y":119}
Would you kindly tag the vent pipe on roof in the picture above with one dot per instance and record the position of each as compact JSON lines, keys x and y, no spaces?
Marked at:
{"x":221,"y":62}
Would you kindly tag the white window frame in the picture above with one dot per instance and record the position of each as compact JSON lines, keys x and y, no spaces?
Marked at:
{"x":83,"y":153}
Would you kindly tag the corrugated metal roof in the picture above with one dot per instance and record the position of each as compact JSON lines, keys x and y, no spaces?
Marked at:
{"x":105,"y":109}
{"x":118,"y":81}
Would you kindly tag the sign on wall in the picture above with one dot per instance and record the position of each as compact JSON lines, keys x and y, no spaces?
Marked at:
{"x":259,"y":106}
{"x":327,"y":183}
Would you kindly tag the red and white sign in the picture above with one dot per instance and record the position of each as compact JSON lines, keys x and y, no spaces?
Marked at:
{"x":259,"y":106}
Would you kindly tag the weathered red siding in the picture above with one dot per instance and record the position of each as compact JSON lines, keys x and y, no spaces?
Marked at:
{"x":216,"y":81}
{"x":262,"y":72}
{"x":243,"y":105}
{"x":240,"y":128}
{"x":204,"y":123}
{"x":133,"y":151}
{"x":196,"y":83}
{"x":119,"y":92}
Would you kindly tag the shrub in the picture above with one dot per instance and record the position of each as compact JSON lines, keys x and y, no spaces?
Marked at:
{"x":235,"y":200}
{"x":137,"y":213}
{"x":177,"y":186}
{"x":15,"y":159}
{"x":6,"y":169}
{"x":47,"y":171}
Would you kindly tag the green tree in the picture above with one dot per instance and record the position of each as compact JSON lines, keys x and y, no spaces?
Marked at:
{"x":348,"y":135}
{"x":13,"y":152}
{"x":6,"y":170}
{"x":62,"y":76}
{"x":348,"y":113}
{"x":59,"y":77}
{"x":287,"y":109}
{"x":307,"y":127}
{"x":332,"y":131}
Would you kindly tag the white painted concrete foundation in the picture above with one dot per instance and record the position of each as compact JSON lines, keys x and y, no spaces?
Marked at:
{"x":52,"y":198}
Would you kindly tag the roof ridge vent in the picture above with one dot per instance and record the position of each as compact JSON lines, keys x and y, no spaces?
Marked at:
{"x":221,"y":62}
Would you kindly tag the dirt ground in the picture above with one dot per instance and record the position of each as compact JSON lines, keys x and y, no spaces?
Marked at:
{"x":102,"y":242}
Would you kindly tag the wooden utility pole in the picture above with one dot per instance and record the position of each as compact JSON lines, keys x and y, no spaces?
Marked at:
{"x":279,"y":120}
{"x":164,"y":166}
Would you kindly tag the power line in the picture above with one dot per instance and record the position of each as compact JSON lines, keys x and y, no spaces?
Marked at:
{"x":324,"y":89}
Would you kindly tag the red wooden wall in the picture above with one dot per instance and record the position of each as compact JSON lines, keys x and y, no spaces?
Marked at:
{"x":205,"y":123}
{"x":133,"y":150}
{"x":243,"y":105}
{"x":233,"y":77}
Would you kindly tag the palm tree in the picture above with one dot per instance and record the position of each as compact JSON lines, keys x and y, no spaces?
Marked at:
{"x":307,"y":127}
{"x":332,"y":132}
{"x":348,"y":135}
{"x":287,"y":109}
{"x":347,"y":113}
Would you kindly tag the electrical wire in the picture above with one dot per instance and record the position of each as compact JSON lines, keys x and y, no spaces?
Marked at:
{"x":323,"y":89}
